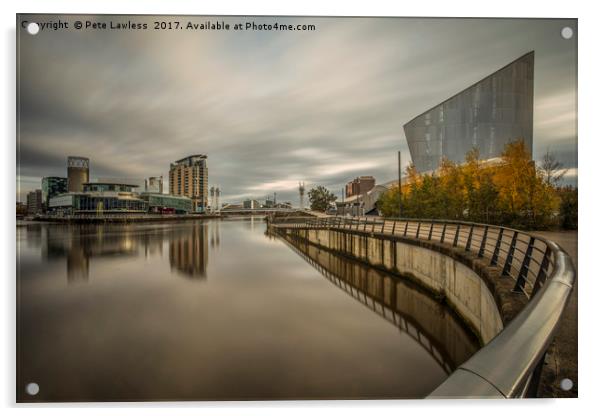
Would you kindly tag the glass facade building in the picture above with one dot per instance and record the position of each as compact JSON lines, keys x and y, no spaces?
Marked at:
{"x":82,"y":203}
{"x":487,"y":115}
{"x":157,"y":202}
{"x":51,"y":187}
{"x":99,"y":198}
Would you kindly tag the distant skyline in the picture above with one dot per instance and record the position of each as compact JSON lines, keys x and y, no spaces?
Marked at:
{"x":270,"y":109}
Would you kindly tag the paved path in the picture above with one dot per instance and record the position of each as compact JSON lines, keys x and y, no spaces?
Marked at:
{"x":563,"y":356}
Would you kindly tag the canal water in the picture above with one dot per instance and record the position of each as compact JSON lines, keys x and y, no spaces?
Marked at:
{"x":218,"y":310}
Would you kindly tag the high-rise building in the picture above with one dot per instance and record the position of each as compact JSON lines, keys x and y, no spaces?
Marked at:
{"x":52,"y":186}
{"x":190,"y":177}
{"x":487,"y":115}
{"x":34,"y":202}
{"x":359,"y":185}
{"x":154,"y":184}
{"x":78,"y":173}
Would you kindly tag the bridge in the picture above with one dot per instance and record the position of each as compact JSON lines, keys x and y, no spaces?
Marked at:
{"x":525,"y":283}
{"x":285,"y":212}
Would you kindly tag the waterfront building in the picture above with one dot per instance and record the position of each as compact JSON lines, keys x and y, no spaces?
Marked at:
{"x":190,"y":177}
{"x":163,"y":203}
{"x":99,"y":198}
{"x":154,"y":184}
{"x":360,"y":185}
{"x":78,"y":173}
{"x":487,"y":115}
{"x":365,"y":203}
{"x":34,"y":202}
{"x":21,"y":209}
{"x":251,"y":204}
{"x":52,"y":186}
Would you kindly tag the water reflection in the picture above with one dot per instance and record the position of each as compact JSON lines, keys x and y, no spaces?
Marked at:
{"x":188,"y":251}
{"x":78,"y":244}
{"x":264,"y":324}
{"x":430,"y":323}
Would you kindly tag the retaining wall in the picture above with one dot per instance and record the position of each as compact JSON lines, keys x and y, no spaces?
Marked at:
{"x":443,"y":273}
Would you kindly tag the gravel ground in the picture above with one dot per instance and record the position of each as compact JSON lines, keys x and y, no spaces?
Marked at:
{"x":561,"y":361}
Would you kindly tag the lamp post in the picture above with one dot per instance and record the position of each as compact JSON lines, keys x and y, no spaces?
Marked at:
{"x":399,"y":179}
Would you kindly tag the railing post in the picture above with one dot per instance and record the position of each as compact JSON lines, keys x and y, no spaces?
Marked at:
{"x":443,"y":233}
{"x":393,"y":230}
{"x":524,"y":268}
{"x":483,"y":242}
{"x":431,"y":230}
{"x":510,"y":255}
{"x":496,"y":250}
{"x":418,"y":230}
{"x":456,"y":235}
{"x":469,"y":240}
{"x":382,"y":231}
{"x":405,"y":230}
{"x":542,"y":274}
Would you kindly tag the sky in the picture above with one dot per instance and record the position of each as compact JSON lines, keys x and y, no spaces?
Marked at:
{"x":269,"y":108}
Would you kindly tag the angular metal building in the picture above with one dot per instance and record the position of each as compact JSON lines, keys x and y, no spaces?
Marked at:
{"x":487,"y":115}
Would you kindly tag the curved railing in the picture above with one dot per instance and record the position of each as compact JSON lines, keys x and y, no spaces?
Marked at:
{"x":510,"y":364}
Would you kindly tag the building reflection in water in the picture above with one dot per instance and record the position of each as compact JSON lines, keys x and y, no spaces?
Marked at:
{"x":430,"y":323}
{"x":188,"y":245}
{"x":214,"y":228}
{"x":188,"y":251}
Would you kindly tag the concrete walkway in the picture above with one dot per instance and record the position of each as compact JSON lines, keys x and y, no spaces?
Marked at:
{"x":562,"y":358}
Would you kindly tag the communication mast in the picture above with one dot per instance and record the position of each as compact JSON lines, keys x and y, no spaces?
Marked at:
{"x":301,"y":192}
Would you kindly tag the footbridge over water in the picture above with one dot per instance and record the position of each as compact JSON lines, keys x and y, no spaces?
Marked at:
{"x":509,"y":286}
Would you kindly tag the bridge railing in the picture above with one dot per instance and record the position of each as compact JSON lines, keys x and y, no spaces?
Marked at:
{"x":510,"y":364}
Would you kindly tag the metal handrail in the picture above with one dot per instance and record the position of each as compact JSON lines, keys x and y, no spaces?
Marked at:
{"x":509,"y":365}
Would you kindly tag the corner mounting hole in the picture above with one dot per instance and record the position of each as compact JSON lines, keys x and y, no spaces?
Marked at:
{"x":32,"y":389}
{"x":566,"y":32}
{"x":566,"y":384}
{"x":33,"y":28}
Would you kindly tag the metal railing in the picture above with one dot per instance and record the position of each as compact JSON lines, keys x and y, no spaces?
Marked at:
{"x":509,"y":365}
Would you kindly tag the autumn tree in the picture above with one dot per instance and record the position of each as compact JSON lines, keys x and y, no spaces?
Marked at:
{"x":568,"y":207}
{"x":512,"y":192}
{"x":388,"y":202}
{"x":524,"y":197}
{"x":320,"y":198}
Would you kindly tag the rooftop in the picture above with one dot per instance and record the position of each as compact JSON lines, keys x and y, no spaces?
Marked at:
{"x":528,"y":54}
{"x":111,"y":183}
{"x":199,"y":156}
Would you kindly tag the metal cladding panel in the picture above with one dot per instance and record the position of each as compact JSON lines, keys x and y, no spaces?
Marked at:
{"x":76,"y":177}
{"x":487,"y":115}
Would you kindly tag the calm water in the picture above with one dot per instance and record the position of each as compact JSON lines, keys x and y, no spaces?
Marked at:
{"x":218,"y":310}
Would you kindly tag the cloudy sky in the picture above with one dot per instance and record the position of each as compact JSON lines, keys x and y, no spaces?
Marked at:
{"x":269,"y":108}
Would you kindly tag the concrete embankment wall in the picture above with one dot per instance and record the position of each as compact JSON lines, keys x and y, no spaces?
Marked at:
{"x":464,"y":290}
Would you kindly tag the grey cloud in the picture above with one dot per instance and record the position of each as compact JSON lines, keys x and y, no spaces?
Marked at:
{"x":271,"y":109}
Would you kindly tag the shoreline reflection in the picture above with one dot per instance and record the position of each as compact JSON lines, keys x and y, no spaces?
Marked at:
{"x":187,"y":245}
{"x":430,"y":323}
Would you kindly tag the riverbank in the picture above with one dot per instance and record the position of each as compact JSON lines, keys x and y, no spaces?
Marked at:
{"x":102,"y":219}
